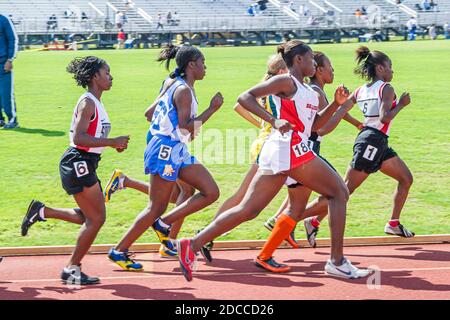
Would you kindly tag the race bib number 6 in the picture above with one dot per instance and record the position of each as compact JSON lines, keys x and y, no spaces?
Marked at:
{"x":81,"y":168}
{"x":300,"y":149}
{"x":164,"y":152}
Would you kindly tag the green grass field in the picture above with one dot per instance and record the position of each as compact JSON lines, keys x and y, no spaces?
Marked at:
{"x":46,"y":95}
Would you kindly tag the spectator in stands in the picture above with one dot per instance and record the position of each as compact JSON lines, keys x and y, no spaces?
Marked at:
{"x":426,"y":5}
{"x":84,"y":16}
{"x":291,"y":5}
{"x":68,"y":13}
{"x":434,"y":6}
{"x":303,"y":10}
{"x":52,"y":22}
{"x":262,"y":5}
{"x":120,"y":39}
{"x":411,"y":25}
{"x":418,"y":7}
{"x":9,"y":46}
{"x":358,"y":13}
{"x":312,"y":21}
{"x":363,"y":11}
{"x":399,"y":1}
{"x":159,"y":22}
{"x":250,"y":11}
{"x":176,"y":19}
{"x":446,"y":30}
{"x":169,"y":20}
{"x":119,"y":19}
{"x":432,"y":32}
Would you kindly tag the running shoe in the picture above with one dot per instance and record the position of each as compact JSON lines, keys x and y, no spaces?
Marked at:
{"x":311,"y":232}
{"x":186,"y":257}
{"x":271,"y":265}
{"x":166,"y":253}
{"x":399,"y":230}
{"x":123,"y":260}
{"x":205,"y":250}
{"x":74,"y":276}
{"x":163,"y":234}
{"x":32,"y":216}
{"x":114,"y":184}
{"x":346,"y":270}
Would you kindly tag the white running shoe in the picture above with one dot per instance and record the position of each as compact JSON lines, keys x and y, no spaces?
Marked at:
{"x":399,"y":230}
{"x":346,"y":270}
{"x":311,"y":232}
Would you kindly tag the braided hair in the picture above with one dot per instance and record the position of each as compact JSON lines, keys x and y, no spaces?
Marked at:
{"x":182,"y":55}
{"x":84,"y":69}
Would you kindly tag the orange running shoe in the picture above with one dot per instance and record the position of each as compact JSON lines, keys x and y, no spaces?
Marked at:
{"x":271,"y":265}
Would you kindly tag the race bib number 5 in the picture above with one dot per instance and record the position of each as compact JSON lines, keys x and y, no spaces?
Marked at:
{"x":300,"y":149}
{"x":81,"y":168}
{"x":164,"y":152}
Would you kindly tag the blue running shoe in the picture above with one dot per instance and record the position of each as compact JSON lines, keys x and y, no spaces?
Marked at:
{"x":163,"y":234}
{"x":167,"y":253}
{"x":123,"y":259}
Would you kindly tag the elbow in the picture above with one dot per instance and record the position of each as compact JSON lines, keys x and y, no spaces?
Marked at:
{"x":242,"y":99}
{"x":77,"y":139}
{"x":384,"y":119}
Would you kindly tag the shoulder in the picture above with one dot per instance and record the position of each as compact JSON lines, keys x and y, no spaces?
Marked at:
{"x":182,"y":93}
{"x":86,"y":104}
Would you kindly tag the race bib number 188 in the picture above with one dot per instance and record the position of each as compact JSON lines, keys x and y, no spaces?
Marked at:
{"x":300,"y":149}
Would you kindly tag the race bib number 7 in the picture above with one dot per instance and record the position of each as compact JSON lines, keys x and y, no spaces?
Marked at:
{"x":300,"y":149}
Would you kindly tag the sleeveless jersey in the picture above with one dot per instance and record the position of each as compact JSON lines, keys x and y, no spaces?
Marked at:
{"x":314,"y":135}
{"x":99,"y":126}
{"x":300,"y":110}
{"x":165,"y":118}
{"x":283,"y":152}
{"x":369,"y":101}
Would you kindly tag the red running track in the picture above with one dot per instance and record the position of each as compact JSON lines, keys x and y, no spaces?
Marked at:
{"x":407,"y":272}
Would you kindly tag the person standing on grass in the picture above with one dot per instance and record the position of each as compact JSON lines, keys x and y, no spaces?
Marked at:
{"x":286,"y":154}
{"x":378,"y":102}
{"x":88,"y":138}
{"x":9,"y":46}
{"x":166,"y":158}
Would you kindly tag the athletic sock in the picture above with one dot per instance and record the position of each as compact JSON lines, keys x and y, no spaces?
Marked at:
{"x":315,"y":222}
{"x":394,"y":223}
{"x":281,"y":230}
{"x":162,"y":224}
{"x":41,"y":213}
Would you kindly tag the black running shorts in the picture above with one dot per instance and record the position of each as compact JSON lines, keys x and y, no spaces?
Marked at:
{"x":371,"y":150}
{"x":77,"y":169}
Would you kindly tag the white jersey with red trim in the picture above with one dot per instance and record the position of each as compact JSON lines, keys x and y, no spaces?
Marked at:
{"x":369,"y":101}
{"x":282,"y":152}
{"x":99,"y":126}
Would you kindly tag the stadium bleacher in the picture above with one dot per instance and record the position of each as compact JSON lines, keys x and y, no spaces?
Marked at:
{"x":214,"y":15}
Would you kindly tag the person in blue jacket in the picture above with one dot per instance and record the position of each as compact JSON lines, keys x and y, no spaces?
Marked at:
{"x":9,"y":46}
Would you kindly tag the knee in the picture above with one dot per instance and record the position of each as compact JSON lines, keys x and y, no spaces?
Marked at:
{"x":98,"y":221}
{"x":249,"y":212}
{"x":341,"y":193}
{"x":407,"y":180}
{"x":212,"y":194}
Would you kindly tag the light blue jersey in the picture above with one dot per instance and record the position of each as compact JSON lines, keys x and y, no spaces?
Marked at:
{"x":167,"y":153}
{"x":165,"y":118}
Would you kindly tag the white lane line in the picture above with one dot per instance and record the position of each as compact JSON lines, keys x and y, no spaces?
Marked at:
{"x":213,"y":274}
